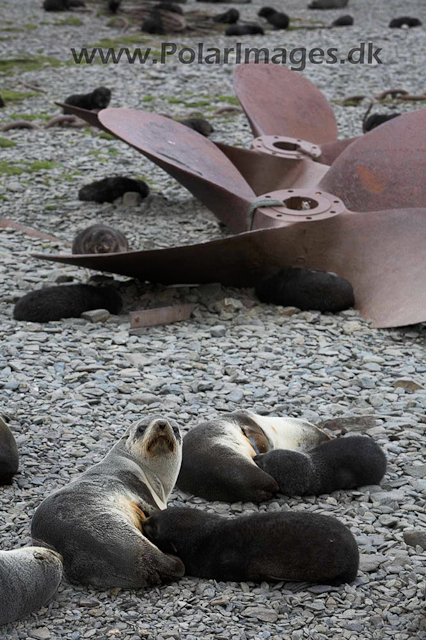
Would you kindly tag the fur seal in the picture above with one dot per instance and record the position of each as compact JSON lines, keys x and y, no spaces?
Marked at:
{"x":217,"y":459}
{"x":2,"y":103}
{"x":328,"y":4}
{"x":109,"y":189}
{"x":95,"y":522}
{"x":376,"y":119}
{"x":99,"y":238}
{"x":276,"y":18}
{"x":290,"y":546}
{"x":228,"y":17}
{"x":114,"y":5}
{"x":153,"y":24}
{"x":399,"y":23}
{"x":244,"y":30}
{"x":99,"y":98}
{"x":306,"y":289}
{"x":66,"y":301}
{"x":9,"y":457}
{"x":29,"y":578}
{"x":200,"y":125}
{"x":342,"y":463}
{"x":343,"y":21}
{"x":56,"y":5}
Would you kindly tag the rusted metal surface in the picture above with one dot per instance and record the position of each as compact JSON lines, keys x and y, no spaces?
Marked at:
{"x":193,"y":160}
{"x":381,"y":253}
{"x":362,"y":218}
{"x":385,"y":169}
{"x":160,"y":315}
{"x":278,"y":101}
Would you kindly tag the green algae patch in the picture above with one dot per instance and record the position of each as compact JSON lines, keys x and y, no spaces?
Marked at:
{"x":4,"y":142}
{"x":29,"y":63}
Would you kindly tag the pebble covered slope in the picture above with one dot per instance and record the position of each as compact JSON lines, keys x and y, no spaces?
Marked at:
{"x":71,"y":388}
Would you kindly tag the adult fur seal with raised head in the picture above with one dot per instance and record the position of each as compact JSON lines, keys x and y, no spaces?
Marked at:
{"x":95,"y":522}
{"x":217,"y":461}
{"x":342,"y":463}
{"x":9,"y":457}
{"x":29,"y":578}
{"x":290,"y":546}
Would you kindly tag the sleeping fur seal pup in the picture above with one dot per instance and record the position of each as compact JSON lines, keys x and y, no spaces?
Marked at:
{"x":343,"y":463}
{"x":217,"y":460}
{"x":95,"y":522}
{"x":29,"y":578}
{"x":9,"y":458}
{"x":289,"y":546}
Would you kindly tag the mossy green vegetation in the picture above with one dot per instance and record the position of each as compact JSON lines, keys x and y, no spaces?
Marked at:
{"x":11,"y":169}
{"x":71,"y":21}
{"x":16,"y":96}
{"x":9,"y":66}
{"x":4,"y":142}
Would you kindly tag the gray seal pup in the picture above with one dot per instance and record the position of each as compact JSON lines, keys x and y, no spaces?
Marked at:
{"x":217,"y":459}
{"x":342,"y":463}
{"x":9,"y":457}
{"x":96,"y":521}
{"x":29,"y":578}
{"x":98,"y":238}
{"x":290,"y":546}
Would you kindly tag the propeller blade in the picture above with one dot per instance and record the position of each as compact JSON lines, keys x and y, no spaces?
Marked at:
{"x":381,"y":253}
{"x":91,"y":117}
{"x":281,"y":102}
{"x":332,"y":150}
{"x":194,"y":161}
{"x":384,"y":169}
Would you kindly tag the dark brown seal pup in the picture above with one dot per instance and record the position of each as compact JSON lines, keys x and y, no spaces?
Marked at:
{"x":217,"y":462}
{"x":9,"y":457}
{"x":277,"y":19}
{"x":95,"y":522}
{"x":109,"y":189}
{"x":399,"y":23}
{"x":29,"y":578}
{"x":228,"y":17}
{"x":99,"y":98}
{"x":244,"y":30}
{"x":200,"y":125}
{"x":114,"y":5}
{"x":56,"y":5}
{"x":66,"y":301}
{"x":99,"y":239}
{"x":153,"y":24}
{"x":342,"y":463}
{"x":306,"y":289}
{"x":343,"y":21}
{"x":290,"y":546}
{"x":376,"y":119}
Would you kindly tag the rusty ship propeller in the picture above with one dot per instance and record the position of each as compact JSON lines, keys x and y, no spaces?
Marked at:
{"x":362,"y":218}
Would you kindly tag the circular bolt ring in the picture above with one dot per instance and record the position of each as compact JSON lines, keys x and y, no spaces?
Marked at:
{"x":302,"y":205}
{"x":284,"y":147}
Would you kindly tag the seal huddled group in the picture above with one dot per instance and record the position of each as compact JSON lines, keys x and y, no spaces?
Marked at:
{"x":111,"y":527}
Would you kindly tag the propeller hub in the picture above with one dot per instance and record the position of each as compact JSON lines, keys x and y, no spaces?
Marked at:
{"x":283,"y":147}
{"x":298,"y":205}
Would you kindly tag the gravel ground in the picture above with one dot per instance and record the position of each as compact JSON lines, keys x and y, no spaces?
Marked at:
{"x":71,"y":388}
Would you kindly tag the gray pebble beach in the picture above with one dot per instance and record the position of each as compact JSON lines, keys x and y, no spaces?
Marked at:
{"x":69,"y":389}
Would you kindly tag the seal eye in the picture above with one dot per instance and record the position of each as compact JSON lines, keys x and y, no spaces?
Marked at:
{"x":176,"y":432}
{"x":142,"y":428}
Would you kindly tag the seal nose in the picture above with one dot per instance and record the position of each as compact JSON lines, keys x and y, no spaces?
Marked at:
{"x":162,"y":424}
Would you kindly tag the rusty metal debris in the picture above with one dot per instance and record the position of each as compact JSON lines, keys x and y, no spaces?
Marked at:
{"x":362,"y":217}
{"x":159,"y":315}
